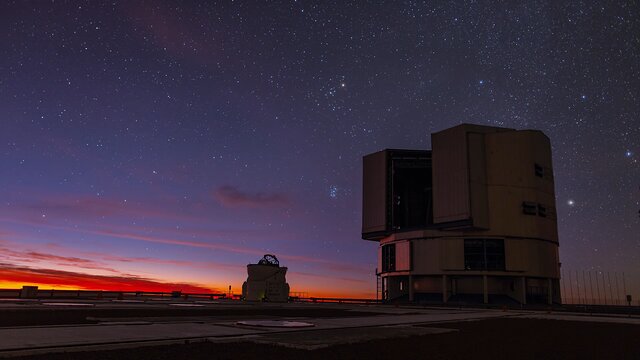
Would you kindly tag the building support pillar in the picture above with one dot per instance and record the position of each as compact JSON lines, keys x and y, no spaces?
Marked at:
{"x":485,"y":289}
{"x":444,"y":289}
{"x":523,"y":286}
{"x":550,"y":292}
{"x":410,"y":288}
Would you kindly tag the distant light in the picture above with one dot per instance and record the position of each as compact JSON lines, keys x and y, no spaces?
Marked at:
{"x":481,"y":82}
{"x":343,"y":85}
{"x":628,"y":153}
{"x":570,"y":202}
{"x":583,"y":97}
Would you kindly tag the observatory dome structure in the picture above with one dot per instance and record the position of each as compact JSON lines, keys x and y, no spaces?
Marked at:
{"x":472,"y":220}
{"x":266,"y":281}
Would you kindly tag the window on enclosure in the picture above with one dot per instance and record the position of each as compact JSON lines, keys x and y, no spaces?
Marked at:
{"x":411,"y":187}
{"x":529,"y":208}
{"x":484,"y":254}
{"x":539,"y":170}
{"x":389,"y":258}
{"x":542,"y":210}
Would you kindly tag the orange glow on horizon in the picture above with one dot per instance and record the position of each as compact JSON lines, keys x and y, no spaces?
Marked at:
{"x":5,"y":285}
{"x":15,"y":278}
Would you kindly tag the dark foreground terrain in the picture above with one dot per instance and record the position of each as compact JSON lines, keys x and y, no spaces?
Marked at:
{"x":505,"y":338}
{"x":29,"y":316}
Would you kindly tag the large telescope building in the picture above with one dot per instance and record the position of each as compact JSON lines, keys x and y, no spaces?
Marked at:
{"x":472,"y":220}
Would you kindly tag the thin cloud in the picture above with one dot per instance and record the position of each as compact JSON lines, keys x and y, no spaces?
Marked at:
{"x":327,"y":277}
{"x":28,"y":275}
{"x":95,"y":261}
{"x":338,"y":266}
{"x":171,"y":33}
{"x":230,"y":196}
{"x":29,"y":256}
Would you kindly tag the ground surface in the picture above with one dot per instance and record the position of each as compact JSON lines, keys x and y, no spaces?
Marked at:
{"x":487,"y":339}
{"x":162,"y":331}
{"x":30,"y":316}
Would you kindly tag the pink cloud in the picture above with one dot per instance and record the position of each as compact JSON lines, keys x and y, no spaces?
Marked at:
{"x":230,"y":196}
{"x":172,"y":33}
{"x":125,"y":233}
{"x":29,"y":256}
{"x":16,"y":253}
{"x":27,"y":275}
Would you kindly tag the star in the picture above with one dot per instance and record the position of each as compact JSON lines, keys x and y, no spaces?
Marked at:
{"x":570,"y":202}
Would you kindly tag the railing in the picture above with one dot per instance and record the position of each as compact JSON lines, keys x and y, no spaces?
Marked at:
{"x":595,"y":288}
{"x":108,"y":294}
{"x":157,"y":295}
{"x":338,"y":300}
{"x":298,"y":294}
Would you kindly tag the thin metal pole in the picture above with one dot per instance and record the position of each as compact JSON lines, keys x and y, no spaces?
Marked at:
{"x":564,"y":288}
{"x":593,"y":301}
{"x":578,"y":287}
{"x":584,"y":286}
{"x":598,"y":288}
{"x":604,"y":288}
{"x":624,"y":285}
{"x":610,"y":287}
{"x":615,"y":274}
{"x":571,"y":288}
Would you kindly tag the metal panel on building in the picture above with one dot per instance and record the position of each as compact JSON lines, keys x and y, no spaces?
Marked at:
{"x":450,"y":176}
{"x":374,"y":197}
{"x":479,"y":200}
{"x":403,"y":256}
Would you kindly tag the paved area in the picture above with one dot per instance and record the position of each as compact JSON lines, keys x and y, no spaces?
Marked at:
{"x":115,"y":332}
{"x":371,"y":322}
{"x":42,"y":337}
{"x":585,"y":318}
{"x":313,"y":340}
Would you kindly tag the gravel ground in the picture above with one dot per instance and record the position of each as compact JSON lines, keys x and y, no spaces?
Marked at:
{"x":507,"y":338}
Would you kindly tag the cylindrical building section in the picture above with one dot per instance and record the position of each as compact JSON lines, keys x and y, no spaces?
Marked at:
{"x":473,"y":220}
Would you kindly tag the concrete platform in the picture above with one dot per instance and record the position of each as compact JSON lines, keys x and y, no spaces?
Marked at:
{"x":376,"y":321}
{"x":313,"y":340}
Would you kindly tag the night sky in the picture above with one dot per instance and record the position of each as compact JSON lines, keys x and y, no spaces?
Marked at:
{"x":165,"y":145}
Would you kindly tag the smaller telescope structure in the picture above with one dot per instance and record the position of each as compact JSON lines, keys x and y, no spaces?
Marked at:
{"x":266,"y":281}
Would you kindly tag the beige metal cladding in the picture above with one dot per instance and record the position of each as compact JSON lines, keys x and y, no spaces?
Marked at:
{"x":532,"y":257}
{"x":450,"y":176}
{"x":511,"y":164}
{"x":403,"y":256}
{"x":459,"y":175}
{"x":523,"y":257}
{"x":374,"y":199}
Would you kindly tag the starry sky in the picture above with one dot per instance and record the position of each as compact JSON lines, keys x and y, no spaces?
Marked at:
{"x":162,"y":145}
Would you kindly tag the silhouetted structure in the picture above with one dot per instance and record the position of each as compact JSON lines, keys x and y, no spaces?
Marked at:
{"x":266,"y":281}
{"x":472,"y":220}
